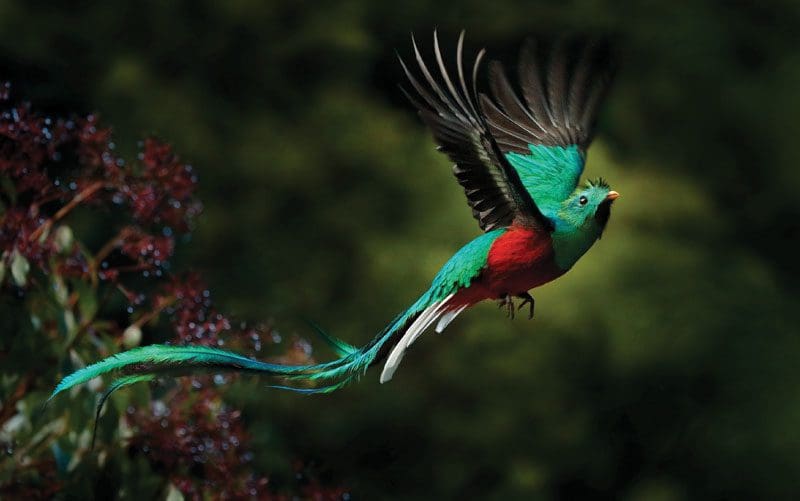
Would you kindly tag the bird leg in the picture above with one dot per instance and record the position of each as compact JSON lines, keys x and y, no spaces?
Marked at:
{"x":527,"y":299}
{"x":507,"y":302}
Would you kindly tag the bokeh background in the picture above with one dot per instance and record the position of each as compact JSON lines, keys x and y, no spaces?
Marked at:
{"x":664,"y":366}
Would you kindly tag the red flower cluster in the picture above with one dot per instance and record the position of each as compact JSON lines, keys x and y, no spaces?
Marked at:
{"x":150,"y":251}
{"x":193,"y":317}
{"x":16,"y":227}
{"x":27,"y":142}
{"x":200,"y":443}
{"x":55,"y":165}
{"x":164,"y":193}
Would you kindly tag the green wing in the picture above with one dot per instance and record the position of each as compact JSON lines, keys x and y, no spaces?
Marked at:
{"x":544,"y":136}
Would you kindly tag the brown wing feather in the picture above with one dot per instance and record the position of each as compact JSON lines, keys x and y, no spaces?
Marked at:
{"x":562,"y":94}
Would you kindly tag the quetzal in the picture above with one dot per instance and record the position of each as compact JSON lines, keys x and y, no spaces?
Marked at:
{"x":519,"y":161}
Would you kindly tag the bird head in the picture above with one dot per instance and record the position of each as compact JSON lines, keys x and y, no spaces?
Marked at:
{"x":589,"y":207}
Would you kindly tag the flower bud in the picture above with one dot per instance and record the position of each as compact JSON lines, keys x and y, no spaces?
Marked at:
{"x":132,"y":337}
{"x":63,"y":238}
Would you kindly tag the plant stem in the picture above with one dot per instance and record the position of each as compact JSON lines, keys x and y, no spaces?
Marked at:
{"x":63,"y":211}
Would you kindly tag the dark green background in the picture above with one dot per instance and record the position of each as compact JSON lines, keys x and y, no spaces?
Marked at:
{"x":664,"y":366}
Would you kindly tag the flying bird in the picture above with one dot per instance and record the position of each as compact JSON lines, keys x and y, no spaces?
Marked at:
{"x":518,"y":153}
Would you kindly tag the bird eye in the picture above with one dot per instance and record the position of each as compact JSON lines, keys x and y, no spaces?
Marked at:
{"x":583,"y":200}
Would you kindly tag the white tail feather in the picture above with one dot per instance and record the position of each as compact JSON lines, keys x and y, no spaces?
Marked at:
{"x":423,"y":321}
{"x":447,"y":318}
{"x":413,"y":336}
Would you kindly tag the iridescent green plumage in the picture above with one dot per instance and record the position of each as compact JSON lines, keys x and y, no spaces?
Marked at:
{"x":549,"y":173}
{"x":155,"y":358}
{"x":457,"y":273}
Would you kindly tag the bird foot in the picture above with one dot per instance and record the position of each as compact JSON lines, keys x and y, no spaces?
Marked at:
{"x":507,"y":302}
{"x":527,"y":299}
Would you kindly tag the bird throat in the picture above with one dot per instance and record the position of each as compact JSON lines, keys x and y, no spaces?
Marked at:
{"x":570,"y":243}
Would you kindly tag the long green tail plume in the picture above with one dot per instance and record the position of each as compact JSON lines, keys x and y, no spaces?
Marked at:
{"x":147,"y":362}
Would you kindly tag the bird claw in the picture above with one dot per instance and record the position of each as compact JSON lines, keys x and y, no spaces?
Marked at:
{"x":527,"y":299}
{"x":507,"y":301}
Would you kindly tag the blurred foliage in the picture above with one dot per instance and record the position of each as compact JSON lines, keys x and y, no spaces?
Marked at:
{"x":64,"y":304}
{"x":662,"y":367}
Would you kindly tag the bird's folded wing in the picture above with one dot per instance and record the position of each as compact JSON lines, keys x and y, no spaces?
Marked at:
{"x":545,"y":134}
{"x":493,"y":187}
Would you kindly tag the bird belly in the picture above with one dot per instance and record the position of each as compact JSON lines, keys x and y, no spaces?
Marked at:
{"x":519,"y":260}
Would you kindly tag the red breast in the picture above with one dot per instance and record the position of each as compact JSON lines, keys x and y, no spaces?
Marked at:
{"x":519,"y":260}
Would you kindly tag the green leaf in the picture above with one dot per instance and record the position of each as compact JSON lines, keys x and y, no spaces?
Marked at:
{"x":19,"y":268}
{"x":36,"y":322}
{"x":173,"y":494}
{"x":60,"y":290}
{"x":87,"y":299}
{"x":67,"y":326}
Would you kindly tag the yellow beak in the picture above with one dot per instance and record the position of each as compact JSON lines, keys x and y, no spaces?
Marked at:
{"x":612,"y":195}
